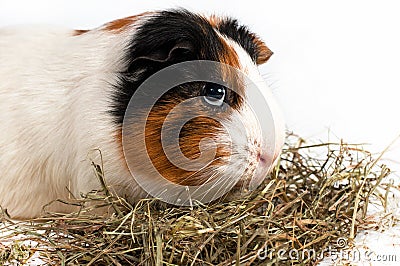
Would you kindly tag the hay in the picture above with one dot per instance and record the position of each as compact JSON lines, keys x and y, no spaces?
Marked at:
{"x":314,"y":201}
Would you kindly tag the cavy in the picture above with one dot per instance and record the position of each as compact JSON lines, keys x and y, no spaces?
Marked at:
{"x":67,"y":94}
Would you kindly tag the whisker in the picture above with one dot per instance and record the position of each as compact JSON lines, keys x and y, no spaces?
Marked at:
{"x":201,"y":169}
{"x":222,"y":183}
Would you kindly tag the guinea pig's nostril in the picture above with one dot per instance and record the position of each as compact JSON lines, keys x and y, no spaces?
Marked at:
{"x":261,"y":158}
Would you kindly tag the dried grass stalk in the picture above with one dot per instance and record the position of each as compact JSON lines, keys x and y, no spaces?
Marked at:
{"x":315,"y":196}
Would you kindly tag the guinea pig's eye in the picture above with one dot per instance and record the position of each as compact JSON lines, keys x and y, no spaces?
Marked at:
{"x":214,"y":94}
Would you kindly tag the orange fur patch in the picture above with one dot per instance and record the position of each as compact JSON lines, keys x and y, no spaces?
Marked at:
{"x":118,"y":138}
{"x":79,"y":32}
{"x":199,"y":128}
{"x":229,"y":55}
{"x":120,"y":25}
{"x":230,"y":58}
{"x":264,"y":53}
{"x":214,"y":20}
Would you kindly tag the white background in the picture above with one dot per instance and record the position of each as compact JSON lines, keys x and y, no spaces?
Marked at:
{"x":335,"y":68}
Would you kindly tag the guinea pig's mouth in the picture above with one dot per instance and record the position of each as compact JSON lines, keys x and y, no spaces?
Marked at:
{"x":243,"y":184}
{"x":255,"y":173}
{"x":240,"y":190}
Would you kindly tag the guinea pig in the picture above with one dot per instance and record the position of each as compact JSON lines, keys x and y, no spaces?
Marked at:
{"x":65,"y":94}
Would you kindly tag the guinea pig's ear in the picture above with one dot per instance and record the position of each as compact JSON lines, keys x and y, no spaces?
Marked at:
{"x":263,"y":52}
{"x":248,"y":40}
{"x":177,"y":53}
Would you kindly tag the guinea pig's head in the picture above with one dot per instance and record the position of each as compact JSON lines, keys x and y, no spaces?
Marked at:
{"x":210,"y":118}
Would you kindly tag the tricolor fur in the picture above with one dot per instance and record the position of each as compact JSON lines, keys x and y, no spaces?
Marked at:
{"x":63,"y":96}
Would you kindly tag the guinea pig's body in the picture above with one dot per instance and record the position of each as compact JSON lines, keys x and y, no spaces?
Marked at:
{"x":63,"y":94}
{"x":54,"y":91}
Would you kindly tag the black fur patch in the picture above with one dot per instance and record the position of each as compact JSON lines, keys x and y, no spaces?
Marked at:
{"x":167,"y":38}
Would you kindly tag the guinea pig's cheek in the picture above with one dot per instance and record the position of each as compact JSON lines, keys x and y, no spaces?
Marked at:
{"x":196,"y":137}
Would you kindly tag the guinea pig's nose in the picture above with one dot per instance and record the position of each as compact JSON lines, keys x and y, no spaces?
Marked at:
{"x":265,"y":162}
{"x":262,"y":158}
{"x":265,"y":159}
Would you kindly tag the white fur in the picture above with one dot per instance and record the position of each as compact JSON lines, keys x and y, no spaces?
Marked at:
{"x":54,"y":89}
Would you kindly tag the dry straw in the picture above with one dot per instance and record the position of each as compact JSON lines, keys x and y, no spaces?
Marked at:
{"x":315,"y":198}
